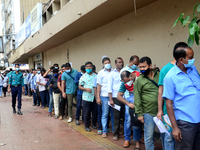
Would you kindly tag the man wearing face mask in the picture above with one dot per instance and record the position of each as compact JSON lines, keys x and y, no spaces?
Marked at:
{"x":102,"y":95}
{"x":79,"y":94}
{"x":146,"y":99}
{"x":16,"y":82}
{"x":113,"y":88}
{"x":37,"y":86}
{"x":68,"y":78}
{"x":5,"y":84}
{"x":182,"y":94}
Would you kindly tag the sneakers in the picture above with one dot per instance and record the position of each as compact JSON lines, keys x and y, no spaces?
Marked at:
{"x":77,"y":122}
{"x":69,"y":120}
{"x":87,"y":129}
{"x":50,"y":115}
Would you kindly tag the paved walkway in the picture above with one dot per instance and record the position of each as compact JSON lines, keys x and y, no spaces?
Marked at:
{"x":35,"y":131}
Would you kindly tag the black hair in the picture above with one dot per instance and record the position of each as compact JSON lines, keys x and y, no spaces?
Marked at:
{"x":11,"y":69}
{"x":43,"y":70}
{"x":82,"y":68}
{"x":87,"y":63}
{"x":105,"y":59}
{"x":118,"y":58}
{"x":38,"y":68}
{"x":180,"y":45}
{"x":68,"y":65}
{"x":125,"y":74}
{"x":133,"y":57}
{"x":179,"y":53}
{"x":55,"y":70}
{"x":33,"y":69}
{"x":56,"y":65}
{"x":145,"y":59}
{"x":94,"y":68}
{"x":27,"y":71}
{"x":64,"y":65}
{"x":16,"y":65}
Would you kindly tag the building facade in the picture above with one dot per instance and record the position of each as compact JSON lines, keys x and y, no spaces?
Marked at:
{"x":77,"y":31}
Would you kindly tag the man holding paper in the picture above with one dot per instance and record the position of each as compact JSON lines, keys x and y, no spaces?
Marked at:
{"x":113,"y":88}
{"x":182,"y":94}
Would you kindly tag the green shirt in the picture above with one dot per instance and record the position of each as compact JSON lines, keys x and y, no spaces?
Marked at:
{"x":146,"y":95}
{"x":69,"y":80}
{"x":16,"y":79}
{"x":163,"y":73}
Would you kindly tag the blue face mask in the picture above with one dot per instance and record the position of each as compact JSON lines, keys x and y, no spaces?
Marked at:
{"x":55,"y":67}
{"x":107,"y":66}
{"x":38,"y":72}
{"x":134,"y":67}
{"x":88,"y":70}
{"x":55,"y":75}
{"x":17,"y":69}
{"x":190,"y":63}
{"x":68,"y":71}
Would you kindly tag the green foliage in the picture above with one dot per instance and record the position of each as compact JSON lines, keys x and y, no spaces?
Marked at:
{"x":193,"y":25}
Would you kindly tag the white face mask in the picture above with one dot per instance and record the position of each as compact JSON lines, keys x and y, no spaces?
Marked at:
{"x":129,"y":83}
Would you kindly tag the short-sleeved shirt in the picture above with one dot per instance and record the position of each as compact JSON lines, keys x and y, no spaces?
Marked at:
{"x":42,"y":80}
{"x":87,"y":82}
{"x":102,"y":79}
{"x":184,"y":90}
{"x":59,"y":80}
{"x":95,"y":82}
{"x":163,"y":73}
{"x":70,"y":85}
{"x":16,"y":79}
{"x":1,"y":81}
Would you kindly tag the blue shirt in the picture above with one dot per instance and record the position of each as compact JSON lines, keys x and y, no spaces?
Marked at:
{"x":114,"y":83}
{"x":16,"y":79}
{"x":77,"y":78}
{"x":184,"y":90}
{"x":33,"y":82}
{"x":70,"y":86}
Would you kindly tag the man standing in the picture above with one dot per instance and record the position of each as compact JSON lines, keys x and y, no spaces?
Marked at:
{"x":16,"y":81}
{"x":5,"y":84}
{"x":79,"y":94}
{"x":146,"y":99}
{"x":29,"y":75}
{"x":182,"y":94}
{"x":33,"y":88}
{"x":86,"y":85}
{"x":102,"y":95}
{"x":168,"y":141}
{"x":113,"y":88}
{"x":68,"y":78}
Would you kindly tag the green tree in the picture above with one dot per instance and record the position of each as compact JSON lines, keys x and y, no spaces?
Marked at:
{"x":192,"y":21}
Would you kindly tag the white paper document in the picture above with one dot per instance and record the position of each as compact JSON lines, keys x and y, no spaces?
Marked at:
{"x":117,"y":107}
{"x":160,"y":125}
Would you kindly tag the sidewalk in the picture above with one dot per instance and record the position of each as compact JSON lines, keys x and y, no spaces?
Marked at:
{"x":34,"y":130}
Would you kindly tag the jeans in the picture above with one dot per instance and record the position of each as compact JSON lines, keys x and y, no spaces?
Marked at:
{"x":149,"y":131}
{"x":26,"y":89}
{"x":79,"y":106}
{"x":16,"y":92}
{"x":127,"y":127}
{"x":1,"y":88}
{"x":56,"y":102}
{"x":106,"y":109}
{"x":44,"y":98}
{"x":99,"y":114}
{"x":35,"y":98}
{"x":5,"y":90}
{"x":168,"y":141}
{"x":94,"y":112}
{"x":50,"y":103}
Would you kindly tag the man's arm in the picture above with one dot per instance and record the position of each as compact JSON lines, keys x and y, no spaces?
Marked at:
{"x":160,"y":102}
{"x":110,"y":84}
{"x":122,"y":100}
{"x":63,"y":89}
{"x":176,"y":131}
{"x":44,"y":75}
{"x":98,"y":94}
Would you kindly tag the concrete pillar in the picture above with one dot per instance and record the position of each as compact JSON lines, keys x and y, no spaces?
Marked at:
{"x":63,"y":2}
{"x":55,"y":6}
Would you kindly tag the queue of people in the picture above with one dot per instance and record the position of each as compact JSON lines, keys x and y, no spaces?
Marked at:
{"x":129,"y":96}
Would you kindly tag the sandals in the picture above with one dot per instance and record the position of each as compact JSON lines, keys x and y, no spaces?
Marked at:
{"x":99,"y":132}
{"x":104,"y":135}
{"x":116,"y":138}
{"x":136,"y":148}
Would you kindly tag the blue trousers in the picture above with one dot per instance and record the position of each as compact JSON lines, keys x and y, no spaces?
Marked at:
{"x":50,"y":103}
{"x":79,"y":105}
{"x":1,"y":87}
{"x":44,"y":98}
{"x":26,"y":89}
{"x":16,"y":92}
{"x":35,"y":98}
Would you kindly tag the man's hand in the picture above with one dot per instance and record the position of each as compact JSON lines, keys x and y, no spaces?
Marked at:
{"x":112,"y":102}
{"x":131,"y":105}
{"x":34,"y":91}
{"x":99,"y":101}
{"x":31,"y":90}
{"x":45,"y":84}
{"x":51,"y":85}
{"x":177,"y":134}
{"x":64,"y":95}
{"x":88,"y":90}
{"x":27,"y":83}
{"x":23,"y":91}
{"x":9,"y":90}
{"x":141,"y":119}
{"x":159,"y":115}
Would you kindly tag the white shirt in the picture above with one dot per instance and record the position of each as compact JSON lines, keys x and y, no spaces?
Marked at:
{"x":102,"y":79}
{"x":42,"y":80}
{"x":114,"y":83}
{"x":5,"y":79}
{"x":1,"y":81}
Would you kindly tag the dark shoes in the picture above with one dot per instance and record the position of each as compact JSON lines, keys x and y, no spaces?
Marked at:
{"x":87,"y":129}
{"x":94,"y":127}
{"x":34,"y":104}
{"x":14,"y":111}
{"x":77,"y":122}
{"x":19,"y":112}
